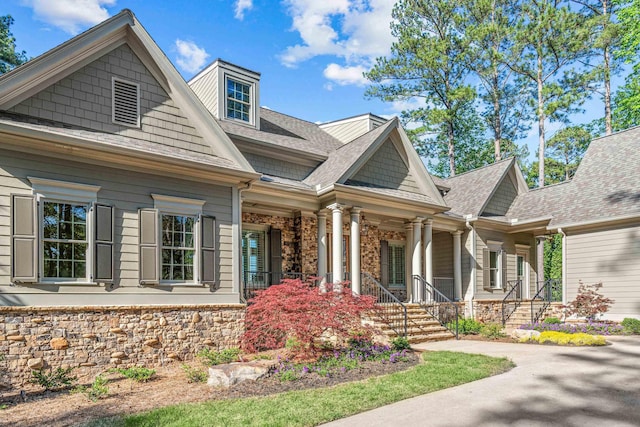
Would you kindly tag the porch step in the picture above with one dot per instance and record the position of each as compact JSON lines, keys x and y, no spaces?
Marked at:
{"x":521,"y":316}
{"x":421,"y":326}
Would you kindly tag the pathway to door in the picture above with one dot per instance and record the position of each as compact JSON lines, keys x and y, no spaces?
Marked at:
{"x":551,"y":386}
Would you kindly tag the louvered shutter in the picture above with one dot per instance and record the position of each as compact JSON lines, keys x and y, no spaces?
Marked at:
{"x":275,"y":254}
{"x":503,"y":268}
{"x":148,"y":247}
{"x":103,"y":246}
{"x":384,"y":262}
{"x":126,"y":103}
{"x":208,"y":250}
{"x":486,"y":270}
{"x":24,"y":239}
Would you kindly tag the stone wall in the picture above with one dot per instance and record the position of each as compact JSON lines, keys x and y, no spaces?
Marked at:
{"x":92,"y":339}
{"x":290,"y":257}
{"x":490,"y":311}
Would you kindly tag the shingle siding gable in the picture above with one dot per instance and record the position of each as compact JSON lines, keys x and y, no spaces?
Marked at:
{"x":502,"y":199}
{"x":84,"y":99}
{"x":277,"y":167}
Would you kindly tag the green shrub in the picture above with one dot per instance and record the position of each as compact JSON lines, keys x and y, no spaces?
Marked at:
{"x":400,"y":343}
{"x":552,"y":321}
{"x":54,"y":380}
{"x":492,"y":331}
{"x":97,"y":390}
{"x":136,"y":373}
{"x":631,"y":325}
{"x":212,"y":357}
{"x":194,"y":375}
{"x":562,"y":338}
{"x":468,"y":326}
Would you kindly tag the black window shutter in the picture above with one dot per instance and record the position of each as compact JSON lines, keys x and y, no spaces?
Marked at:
{"x":103,"y":249}
{"x":275,"y":253}
{"x":208,"y":248}
{"x":384,"y":262}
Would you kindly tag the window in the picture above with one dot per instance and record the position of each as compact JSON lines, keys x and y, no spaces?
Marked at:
{"x":494,"y":270}
{"x":397,"y":267}
{"x":253,"y":251}
{"x":238,"y":100}
{"x":494,"y":266}
{"x":126,"y":103}
{"x":178,"y":247}
{"x":61,"y":234}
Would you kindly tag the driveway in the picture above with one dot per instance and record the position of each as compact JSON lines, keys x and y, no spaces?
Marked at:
{"x":550,"y":386}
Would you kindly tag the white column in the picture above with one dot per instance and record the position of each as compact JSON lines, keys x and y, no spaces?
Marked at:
{"x":408,"y":230}
{"x":540,"y":261}
{"x":427,"y":238}
{"x":336,"y":259}
{"x":322,"y":248}
{"x":457,"y":264}
{"x":355,"y":249}
{"x":416,"y":257}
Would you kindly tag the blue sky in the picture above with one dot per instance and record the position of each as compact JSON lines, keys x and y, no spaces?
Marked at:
{"x":311,"y":53}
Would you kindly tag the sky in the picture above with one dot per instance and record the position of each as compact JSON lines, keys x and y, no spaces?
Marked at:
{"x":310,"y":53}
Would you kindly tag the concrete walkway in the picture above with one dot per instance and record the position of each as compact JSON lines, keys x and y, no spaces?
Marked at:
{"x":551,"y":386}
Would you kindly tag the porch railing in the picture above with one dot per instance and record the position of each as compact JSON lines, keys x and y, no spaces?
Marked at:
{"x":445,"y":286}
{"x":548,"y":291}
{"x":391,"y":310}
{"x":512,"y":300}
{"x":436,"y":303}
{"x":259,"y":280}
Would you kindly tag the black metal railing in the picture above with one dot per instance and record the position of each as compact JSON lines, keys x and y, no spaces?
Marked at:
{"x":512,"y":300}
{"x":437,"y":304}
{"x":260,"y":280}
{"x":445,"y":285}
{"x":391,"y":311}
{"x":548,"y":292}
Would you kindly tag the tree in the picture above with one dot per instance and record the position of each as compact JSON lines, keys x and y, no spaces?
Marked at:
{"x":553,"y":257}
{"x":427,"y":62}
{"x":548,"y":38}
{"x":568,"y":146}
{"x":9,"y":58}
{"x":627,"y":100}
{"x":487,"y":28}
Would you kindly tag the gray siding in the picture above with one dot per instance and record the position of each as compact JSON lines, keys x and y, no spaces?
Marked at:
{"x":346,"y":132}
{"x":609,"y":256}
{"x":206,"y":87}
{"x":502,"y":199}
{"x":386,"y":169}
{"x":127,"y":192}
{"x":509,"y":242}
{"x":277,"y":167}
{"x":84,"y":99}
{"x":442,"y":254}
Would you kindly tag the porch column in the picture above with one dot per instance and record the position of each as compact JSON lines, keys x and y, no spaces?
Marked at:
{"x":427,"y":237}
{"x":408,"y":264}
{"x":355,"y":249}
{"x":457,"y":265}
{"x":322,"y":248}
{"x":416,"y":257}
{"x":336,"y":259}
{"x":540,"y":260}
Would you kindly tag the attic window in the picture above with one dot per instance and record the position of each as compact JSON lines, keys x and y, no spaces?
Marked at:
{"x":126,"y":103}
{"x":238,"y":100}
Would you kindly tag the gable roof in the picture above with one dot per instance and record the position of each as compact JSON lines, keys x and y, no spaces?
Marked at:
{"x":469,"y":192}
{"x":123,"y":28}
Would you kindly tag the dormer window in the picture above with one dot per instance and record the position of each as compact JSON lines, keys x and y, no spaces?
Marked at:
{"x":238,"y":100}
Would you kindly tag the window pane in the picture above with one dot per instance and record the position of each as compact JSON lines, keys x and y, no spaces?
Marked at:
{"x":253,"y":250}
{"x":493,"y":259}
{"x":177,"y":263}
{"x":66,"y":269}
{"x":79,"y":232}
{"x":50,"y":268}
{"x":79,"y":270}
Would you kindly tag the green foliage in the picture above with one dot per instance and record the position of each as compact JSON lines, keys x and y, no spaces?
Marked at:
{"x":98,"y":389}
{"x":136,"y":373}
{"x":627,"y":100}
{"x":563,"y":338}
{"x":631,"y":325}
{"x":553,"y":258}
{"x":492,"y":331}
{"x":54,"y":380}
{"x":212,"y":357}
{"x":567,"y":147}
{"x":9,"y":58}
{"x":194,"y":375}
{"x":552,"y":321}
{"x":469,"y":326}
{"x":400,"y":343}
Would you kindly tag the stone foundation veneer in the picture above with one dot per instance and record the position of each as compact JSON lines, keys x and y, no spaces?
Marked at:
{"x":490,"y":311}
{"x":93,"y":339}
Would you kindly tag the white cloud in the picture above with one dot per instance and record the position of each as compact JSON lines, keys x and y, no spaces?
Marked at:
{"x":71,"y":16}
{"x":241,"y":7}
{"x":191,"y":58}
{"x":345,"y":75}
{"x":356,"y":30}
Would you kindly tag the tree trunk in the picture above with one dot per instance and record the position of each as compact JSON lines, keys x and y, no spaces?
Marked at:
{"x":452,"y":161}
{"x":541,"y":142}
{"x":497,"y":125}
{"x":608,"y":128}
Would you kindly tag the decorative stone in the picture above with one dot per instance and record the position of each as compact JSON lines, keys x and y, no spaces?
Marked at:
{"x":196,"y":317}
{"x":522,"y":334}
{"x":35,"y":363}
{"x":208,"y":342}
{"x":234,"y":373}
{"x":89,"y":336}
{"x":147,"y":316}
{"x":118,"y":355}
{"x":88,"y":364}
{"x":116,"y":331}
{"x":59,"y":343}
{"x":151,"y":342}
{"x":37,"y":320}
{"x":152,"y":324}
{"x":163,"y":321}
{"x":182,"y":335}
{"x":13,"y":333}
{"x":115,"y":361}
{"x":173,"y":356}
{"x":15,"y":337}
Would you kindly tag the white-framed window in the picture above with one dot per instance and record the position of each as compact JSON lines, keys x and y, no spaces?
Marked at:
{"x":495,"y":265}
{"x":66,"y":245}
{"x":238,"y":100}
{"x":125,"y":102}
{"x":254,"y":250}
{"x":397,"y":264}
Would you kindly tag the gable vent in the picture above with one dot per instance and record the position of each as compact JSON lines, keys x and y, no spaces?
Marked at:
{"x":126,"y":103}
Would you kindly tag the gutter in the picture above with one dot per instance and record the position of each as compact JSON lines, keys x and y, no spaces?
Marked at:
{"x":595,"y":221}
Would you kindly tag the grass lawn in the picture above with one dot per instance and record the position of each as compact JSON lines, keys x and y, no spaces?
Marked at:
{"x":440,"y":370}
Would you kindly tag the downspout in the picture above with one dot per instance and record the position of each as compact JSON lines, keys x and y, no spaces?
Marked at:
{"x":236,"y":233}
{"x":564,"y":266}
{"x":471,"y":290}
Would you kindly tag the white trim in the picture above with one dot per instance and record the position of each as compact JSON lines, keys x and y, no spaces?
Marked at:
{"x":177,"y":205}
{"x":522,"y":247}
{"x":63,"y":190}
{"x":526,"y":285}
{"x":253,"y":98}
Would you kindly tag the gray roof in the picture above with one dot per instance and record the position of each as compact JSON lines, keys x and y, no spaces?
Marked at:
{"x":286,"y":132}
{"x":114,"y":140}
{"x":470,"y":191}
{"x":345,"y":156}
{"x":423,"y":198}
{"x":539,"y":202}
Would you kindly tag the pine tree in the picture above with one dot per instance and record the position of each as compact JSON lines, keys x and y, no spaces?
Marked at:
{"x":9,"y":58}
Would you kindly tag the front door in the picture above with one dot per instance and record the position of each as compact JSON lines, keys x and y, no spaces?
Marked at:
{"x":522,"y":273}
